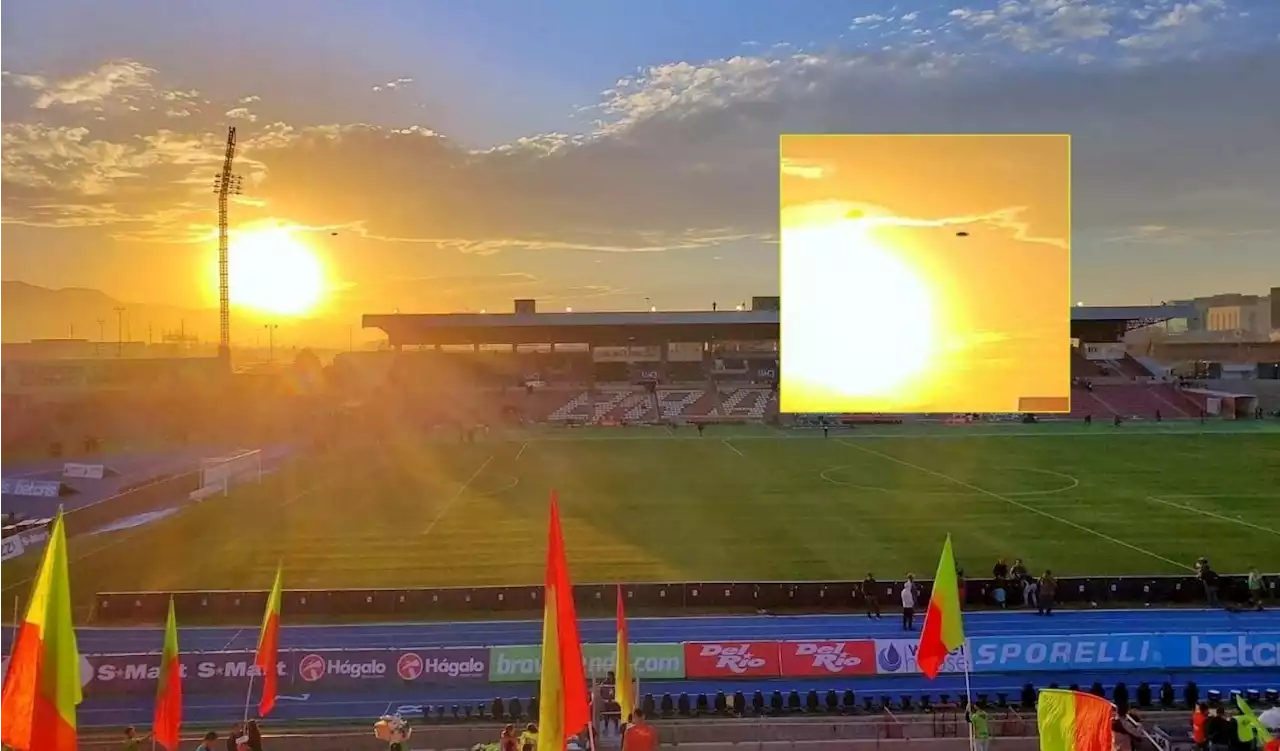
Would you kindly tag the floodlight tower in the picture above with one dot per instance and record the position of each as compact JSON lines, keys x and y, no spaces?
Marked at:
{"x":225,"y":185}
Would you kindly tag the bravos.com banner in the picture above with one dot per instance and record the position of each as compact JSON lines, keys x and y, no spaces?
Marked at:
{"x":651,"y":661}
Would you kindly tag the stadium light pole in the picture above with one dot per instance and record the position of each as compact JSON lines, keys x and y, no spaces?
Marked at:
{"x":271,"y":340}
{"x":119,"y":332}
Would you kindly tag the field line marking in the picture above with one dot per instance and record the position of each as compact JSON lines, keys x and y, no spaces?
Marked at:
{"x":520,"y":453}
{"x":1211,"y":514}
{"x":1013,"y":502}
{"x":124,"y":535}
{"x":733,"y":448}
{"x":449,"y":503}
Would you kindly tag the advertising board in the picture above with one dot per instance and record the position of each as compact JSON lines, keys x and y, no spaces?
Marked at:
{"x":340,"y":669}
{"x":75,"y":470}
{"x":743,"y":659}
{"x":1091,"y":652}
{"x":818,"y":659}
{"x":31,"y":488}
{"x":651,"y":661}
{"x":898,"y":657}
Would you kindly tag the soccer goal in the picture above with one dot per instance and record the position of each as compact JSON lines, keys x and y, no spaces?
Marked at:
{"x":217,"y":475}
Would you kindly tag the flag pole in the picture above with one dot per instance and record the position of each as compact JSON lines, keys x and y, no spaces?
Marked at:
{"x":248,"y":696}
{"x":968,"y":693}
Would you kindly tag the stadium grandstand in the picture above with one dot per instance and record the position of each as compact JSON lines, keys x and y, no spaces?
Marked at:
{"x":712,"y":366}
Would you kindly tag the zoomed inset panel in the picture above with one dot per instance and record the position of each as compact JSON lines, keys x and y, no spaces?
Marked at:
{"x":925,"y":273}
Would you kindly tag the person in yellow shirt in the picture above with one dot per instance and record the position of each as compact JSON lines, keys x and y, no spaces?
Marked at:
{"x":529,"y":738}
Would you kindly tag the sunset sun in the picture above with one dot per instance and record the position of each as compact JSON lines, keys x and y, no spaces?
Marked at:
{"x":272,"y":271}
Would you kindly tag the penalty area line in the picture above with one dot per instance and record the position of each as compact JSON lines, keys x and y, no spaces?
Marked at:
{"x":449,"y":503}
{"x":1214,"y":515}
{"x":733,"y":448}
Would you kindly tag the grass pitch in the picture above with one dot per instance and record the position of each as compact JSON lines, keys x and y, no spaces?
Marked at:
{"x":648,"y":504}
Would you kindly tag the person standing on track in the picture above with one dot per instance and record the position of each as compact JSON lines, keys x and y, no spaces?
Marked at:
{"x":909,"y":603}
{"x":871,"y":596}
{"x":1046,"y":591}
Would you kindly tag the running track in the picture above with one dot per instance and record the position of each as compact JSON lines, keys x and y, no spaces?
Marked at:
{"x":719,"y":628}
{"x":202,"y":709}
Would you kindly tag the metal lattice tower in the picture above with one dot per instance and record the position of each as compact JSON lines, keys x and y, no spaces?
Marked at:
{"x":225,"y":185}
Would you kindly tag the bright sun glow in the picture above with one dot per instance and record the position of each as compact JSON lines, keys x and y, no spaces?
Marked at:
{"x":888,"y":336}
{"x":273,"y":271}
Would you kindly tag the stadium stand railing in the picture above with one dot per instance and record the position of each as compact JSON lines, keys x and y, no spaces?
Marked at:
{"x":665,"y":598}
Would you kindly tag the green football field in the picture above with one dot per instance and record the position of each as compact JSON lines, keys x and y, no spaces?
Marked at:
{"x":648,"y":504}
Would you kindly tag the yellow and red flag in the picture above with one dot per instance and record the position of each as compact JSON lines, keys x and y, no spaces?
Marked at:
{"x":943,"y":630}
{"x":42,"y":686}
{"x":167,"y":724}
{"x":269,"y":648}
{"x":1074,"y":721}
{"x":563,"y":709}
{"x":624,"y":681}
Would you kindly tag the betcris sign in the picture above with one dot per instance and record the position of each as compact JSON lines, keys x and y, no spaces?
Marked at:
{"x":1087,"y":652}
{"x":1235,"y":651}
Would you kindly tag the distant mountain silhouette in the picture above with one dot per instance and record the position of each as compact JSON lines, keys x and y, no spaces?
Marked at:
{"x":34,"y":312}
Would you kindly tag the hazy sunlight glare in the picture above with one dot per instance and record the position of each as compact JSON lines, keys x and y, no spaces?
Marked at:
{"x":862,"y":356}
{"x":272,"y":271}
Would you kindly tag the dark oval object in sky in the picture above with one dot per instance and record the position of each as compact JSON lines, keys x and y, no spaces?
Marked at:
{"x":962,"y":234}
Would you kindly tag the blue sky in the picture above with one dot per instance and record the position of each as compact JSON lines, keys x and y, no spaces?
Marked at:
{"x":602,"y":153}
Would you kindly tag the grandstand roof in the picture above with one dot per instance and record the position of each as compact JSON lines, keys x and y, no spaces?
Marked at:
{"x":1111,"y":313}
{"x":643,"y":327}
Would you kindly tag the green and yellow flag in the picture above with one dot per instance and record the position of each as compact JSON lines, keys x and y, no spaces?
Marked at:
{"x":42,"y":687}
{"x":1249,"y":720}
{"x":166,"y":726}
{"x":943,"y":630}
{"x":1074,"y":721}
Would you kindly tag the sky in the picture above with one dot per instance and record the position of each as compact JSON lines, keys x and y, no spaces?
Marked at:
{"x":947,"y":256}
{"x":442,"y":156}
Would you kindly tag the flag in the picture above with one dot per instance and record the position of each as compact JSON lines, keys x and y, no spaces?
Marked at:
{"x":943,"y":630}
{"x":1248,"y":719}
{"x":563,"y":710}
{"x":1074,"y":721}
{"x":624,"y":681}
{"x":269,"y":648}
{"x":167,"y":724}
{"x":42,"y":686}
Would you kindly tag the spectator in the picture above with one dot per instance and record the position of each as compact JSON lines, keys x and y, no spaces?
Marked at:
{"x":1000,"y":594}
{"x":507,"y":741}
{"x":1218,"y":731}
{"x":208,"y":743}
{"x":1255,"y":588}
{"x":529,"y":738}
{"x":1029,"y":587}
{"x":1047,"y":590}
{"x":1198,"y":718}
{"x":871,"y":596}
{"x":132,"y":741}
{"x":981,"y":727}
{"x":1209,"y":579}
{"x":909,"y":603}
{"x":1000,"y":571}
{"x":639,"y":735}
{"x":1019,"y":570}
{"x":574,"y":744}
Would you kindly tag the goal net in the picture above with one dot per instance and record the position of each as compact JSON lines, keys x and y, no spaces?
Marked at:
{"x":217,"y":475}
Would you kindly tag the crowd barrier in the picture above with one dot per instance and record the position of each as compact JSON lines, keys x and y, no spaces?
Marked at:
{"x":599,"y":599}
{"x":409,"y":665}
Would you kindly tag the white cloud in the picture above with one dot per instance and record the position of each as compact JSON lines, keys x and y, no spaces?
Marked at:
{"x":241,"y":113}
{"x":119,"y":79}
{"x":393,"y":84}
{"x":869,"y":20}
{"x":249,"y":99}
